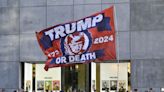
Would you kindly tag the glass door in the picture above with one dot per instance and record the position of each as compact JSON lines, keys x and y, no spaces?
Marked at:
{"x":75,"y":78}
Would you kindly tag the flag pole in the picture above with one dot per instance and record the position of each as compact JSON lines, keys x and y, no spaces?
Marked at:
{"x":117,"y":46}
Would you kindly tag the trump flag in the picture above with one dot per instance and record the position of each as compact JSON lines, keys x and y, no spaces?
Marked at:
{"x":82,"y":41}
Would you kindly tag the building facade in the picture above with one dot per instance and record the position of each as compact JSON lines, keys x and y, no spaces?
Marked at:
{"x":139,"y":30}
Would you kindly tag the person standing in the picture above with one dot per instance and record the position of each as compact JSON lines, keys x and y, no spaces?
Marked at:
{"x":151,"y":90}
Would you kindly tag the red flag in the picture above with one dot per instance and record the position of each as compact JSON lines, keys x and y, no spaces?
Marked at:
{"x":88,"y":39}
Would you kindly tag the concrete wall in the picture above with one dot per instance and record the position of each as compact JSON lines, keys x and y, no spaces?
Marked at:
{"x":9,"y":45}
{"x":20,"y":19}
{"x":147,"y":40}
{"x":139,"y":26}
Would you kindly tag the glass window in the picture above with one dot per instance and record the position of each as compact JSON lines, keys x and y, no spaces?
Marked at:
{"x":111,"y":77}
